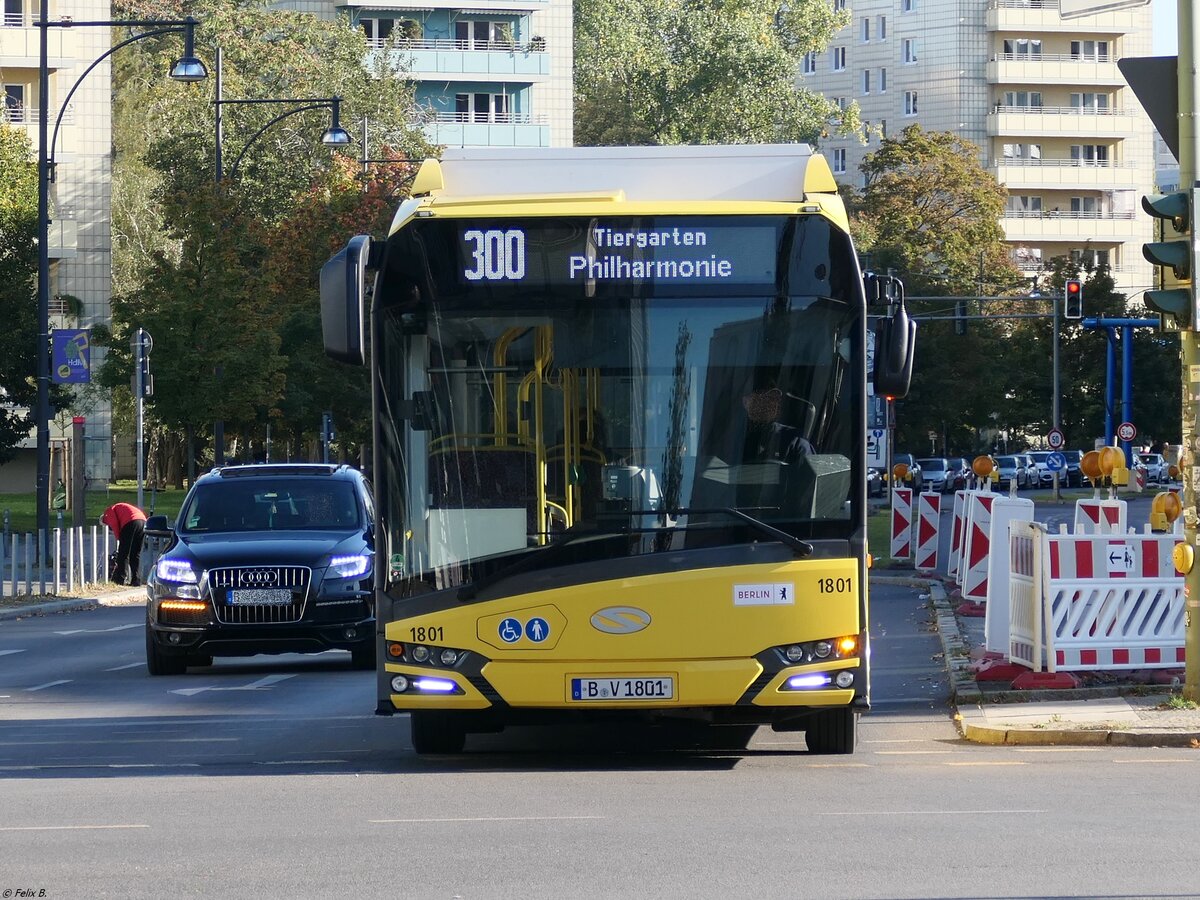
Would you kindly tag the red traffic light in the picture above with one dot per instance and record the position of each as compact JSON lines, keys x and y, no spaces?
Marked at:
{"x":1073,"y":306}
{"x":1074,"y":287}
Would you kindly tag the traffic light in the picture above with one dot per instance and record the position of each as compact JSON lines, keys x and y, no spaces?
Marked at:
{"x":1176,"y":297}
{"x":1073,"y":291}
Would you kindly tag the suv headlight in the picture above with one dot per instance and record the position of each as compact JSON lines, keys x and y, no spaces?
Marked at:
{"x":177,"y":570}
{"x":354,"y":566}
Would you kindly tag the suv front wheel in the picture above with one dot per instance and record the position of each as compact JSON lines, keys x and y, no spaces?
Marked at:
{"x":159,"y":663}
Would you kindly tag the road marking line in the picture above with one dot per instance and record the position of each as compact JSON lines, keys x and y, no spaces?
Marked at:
{"x":261,"y":684}
{"x":902,"y":741}
{"x":64,"y":828}
{"x":298,"y":762}
{"x":10,"y":652}
{"x":896,"y":701}
{"x":101,"y":766}
{"x":201,"y":740}
{"x":912,"y":752}
{"x":483,"y":819}
{"x":1060,"y":749}
{"x":1125,"y":762}
{"x":100,"y":630}
{"x":997,"y":762}
{"x":49,"y":684}
{"x":837,"y":765}
{"x":933,"y":813}
{"x":126,"y":666}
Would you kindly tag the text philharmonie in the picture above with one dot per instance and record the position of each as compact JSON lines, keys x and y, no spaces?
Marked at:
{"x":618,"y":268}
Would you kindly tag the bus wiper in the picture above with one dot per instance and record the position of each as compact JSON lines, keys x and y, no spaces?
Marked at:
{"x":534,"y":560}
{"x":802,"y":547}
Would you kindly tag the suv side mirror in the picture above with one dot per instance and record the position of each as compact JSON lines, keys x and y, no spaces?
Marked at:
{"x":158,"y":527}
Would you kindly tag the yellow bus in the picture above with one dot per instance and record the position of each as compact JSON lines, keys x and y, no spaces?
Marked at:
{"x":619,"y":439}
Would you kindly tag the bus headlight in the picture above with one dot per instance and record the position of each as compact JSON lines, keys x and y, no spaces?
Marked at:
{"x":399,"y":684}
{"x":845,"y":647}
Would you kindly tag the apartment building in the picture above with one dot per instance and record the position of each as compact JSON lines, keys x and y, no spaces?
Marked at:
{"x":1040,"y":95}
{"x":80,"y":237}
{"x":496,"y":73}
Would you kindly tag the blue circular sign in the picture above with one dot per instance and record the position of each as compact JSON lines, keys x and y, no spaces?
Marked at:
{"x":1056,"y":461}
{"x":510,"y":630}
{"x":537,"y":630}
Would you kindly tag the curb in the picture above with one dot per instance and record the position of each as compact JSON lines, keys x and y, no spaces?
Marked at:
{"x":1099,"y":737}
{"x":72,"y":604}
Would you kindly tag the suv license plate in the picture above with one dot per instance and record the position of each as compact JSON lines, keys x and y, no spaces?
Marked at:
{"x":661,"y":687}
{"x":260,"y":597}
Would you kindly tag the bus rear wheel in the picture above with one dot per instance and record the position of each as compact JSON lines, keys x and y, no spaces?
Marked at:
{"x":832,"y":731}
{"x":437,"y":733}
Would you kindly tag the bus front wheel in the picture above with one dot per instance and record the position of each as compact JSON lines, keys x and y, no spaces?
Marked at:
{"x":437,"y":733}
{"x":832,"y":731}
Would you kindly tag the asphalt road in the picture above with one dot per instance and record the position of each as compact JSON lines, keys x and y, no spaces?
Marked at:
{"x":271,"y":777}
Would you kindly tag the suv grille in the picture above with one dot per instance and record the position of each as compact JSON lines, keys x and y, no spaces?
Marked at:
{"x":294,"y":579}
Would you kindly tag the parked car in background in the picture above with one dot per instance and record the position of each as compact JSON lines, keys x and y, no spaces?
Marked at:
{"x":1155,"y":466}
{"x":961,"y":467}
{"x":1045,"y":477}
{"x":916,"y":479}
{"x":1074,"y":473}
{"x":1011,"y":469}
{"x":874,"y":483}
{"x":1030,"y":468}
{"x":937,"y":474}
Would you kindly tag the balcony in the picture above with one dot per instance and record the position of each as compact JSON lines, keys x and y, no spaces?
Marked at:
{"x":479,"y":6}
{"x":491,"y":61}
{"x":1037,"y":226}
{"x":1029,"y":16}
{"x":19,"y":43}
{"x":504,"y":130}
{"x":1053,"y":68}
{"x":1049,"y":174}
{"x":26,"y":119}
{"x":1061,"y":120}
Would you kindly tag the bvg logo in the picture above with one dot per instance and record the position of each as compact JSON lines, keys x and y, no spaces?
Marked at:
{"x":620,"y":619}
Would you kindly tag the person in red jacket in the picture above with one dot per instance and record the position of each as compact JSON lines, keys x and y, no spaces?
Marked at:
{"x":128,"y":525}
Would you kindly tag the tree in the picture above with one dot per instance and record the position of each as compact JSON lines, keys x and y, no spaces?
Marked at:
{"x":931,"y":213}
{"x":700,"y":71}
{"x":18,"y":290}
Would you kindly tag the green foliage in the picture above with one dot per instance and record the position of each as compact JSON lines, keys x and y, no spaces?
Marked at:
{"x":198,"y":264}
{"x":688,"y":72}
{"x":18,"y":290}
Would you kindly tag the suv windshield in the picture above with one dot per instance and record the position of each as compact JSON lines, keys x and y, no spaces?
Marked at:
{"x":1006,"y":462}
{"x":274,"y":504}
{"x":1040,"y":457}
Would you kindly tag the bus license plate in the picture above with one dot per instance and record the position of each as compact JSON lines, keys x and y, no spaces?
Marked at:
{"x":260,"y":597}
{"x":661,"y":687}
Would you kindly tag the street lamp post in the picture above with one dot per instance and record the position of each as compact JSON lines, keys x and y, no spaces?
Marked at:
{"x":187,"y":69}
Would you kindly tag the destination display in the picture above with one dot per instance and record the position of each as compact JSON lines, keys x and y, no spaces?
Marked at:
{"x":675,"y":251}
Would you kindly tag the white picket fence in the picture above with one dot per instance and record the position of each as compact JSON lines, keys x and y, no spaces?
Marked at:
{"x":73,"y":558}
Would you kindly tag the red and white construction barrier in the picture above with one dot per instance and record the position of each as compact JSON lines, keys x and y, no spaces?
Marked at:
{"x":956,"y":533}
{"x":1005,"y":510}
{"x":1100,"y":516}
{"x":977,"y":542}
{"x":1085,"y":602}
{"x":929,"y":517}
{"x":902,"y":519}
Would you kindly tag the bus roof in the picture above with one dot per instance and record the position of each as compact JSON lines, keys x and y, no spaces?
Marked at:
{"x":741,"y":172}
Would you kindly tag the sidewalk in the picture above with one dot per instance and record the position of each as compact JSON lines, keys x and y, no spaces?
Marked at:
{"x":1117,"y":715}
{"x":110,"y":595}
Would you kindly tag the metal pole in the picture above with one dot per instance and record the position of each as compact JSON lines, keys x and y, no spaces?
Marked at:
{"x":139,"y":388}
{"x":1054,"y":410}
{"x":1127,"y":388}
{"x":42,"y":498}
{"x":217,"y":129}
{"x":1110,"y":377}
{"x":1189,"y":169}
{"x":366,"y":165}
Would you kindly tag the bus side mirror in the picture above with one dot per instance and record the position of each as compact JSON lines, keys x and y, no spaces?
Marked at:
{"x":895,"y":349}
{"x":343,"y":294}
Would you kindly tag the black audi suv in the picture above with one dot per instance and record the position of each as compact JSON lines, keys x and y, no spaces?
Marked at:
{"x":264,"y":559}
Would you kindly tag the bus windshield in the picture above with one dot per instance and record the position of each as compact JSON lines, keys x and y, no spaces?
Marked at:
{"x":519,"y":415}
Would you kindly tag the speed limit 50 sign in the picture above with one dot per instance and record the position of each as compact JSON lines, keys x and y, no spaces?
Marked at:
{"x":1055,"y":439}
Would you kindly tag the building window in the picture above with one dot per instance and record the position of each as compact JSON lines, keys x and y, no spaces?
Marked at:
{"x":1022,"y":151}
{"x":881,"y":30}
{"x":1094,"y":51}
{"x":1023,"y":205}
{"x":841,"y":103}
{"x":809,"y":64}
{"x":1023,"y":48}
{"x":14,"y":103}
{"x":910,"y":103}
{"x":1089,"y":102}
{"x":883,"y":129}
{"x":1023,"y":99}
{"x":907,"y":6}
{"x":839,"y":5}
{"x":482,"y":108}
{"x":14,"y":15}
{"x":1087,"y":207}
{"x":839,"y":59}
{"x":866,"y":81}
{"x":480,"y":34}
{"x":883,"y":81}
{"x":377,"y":30}
{"x":1089,"y":154}
{"x":866,"y":29}
{"x":908,"y":50}
{"x":1090,"y":259}
{"x":839,"y":161}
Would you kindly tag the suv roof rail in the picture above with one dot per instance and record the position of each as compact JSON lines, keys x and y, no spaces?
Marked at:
{"x":253,"y":469}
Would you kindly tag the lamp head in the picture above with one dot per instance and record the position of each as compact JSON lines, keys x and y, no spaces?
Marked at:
{"x":189,"y":67}
{"x":335,"y":135}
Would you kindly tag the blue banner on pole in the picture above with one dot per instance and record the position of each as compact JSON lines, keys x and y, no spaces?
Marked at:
{"x":72,"y":359}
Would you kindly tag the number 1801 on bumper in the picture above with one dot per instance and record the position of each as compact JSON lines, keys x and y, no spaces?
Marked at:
{"x":608,"y":689}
